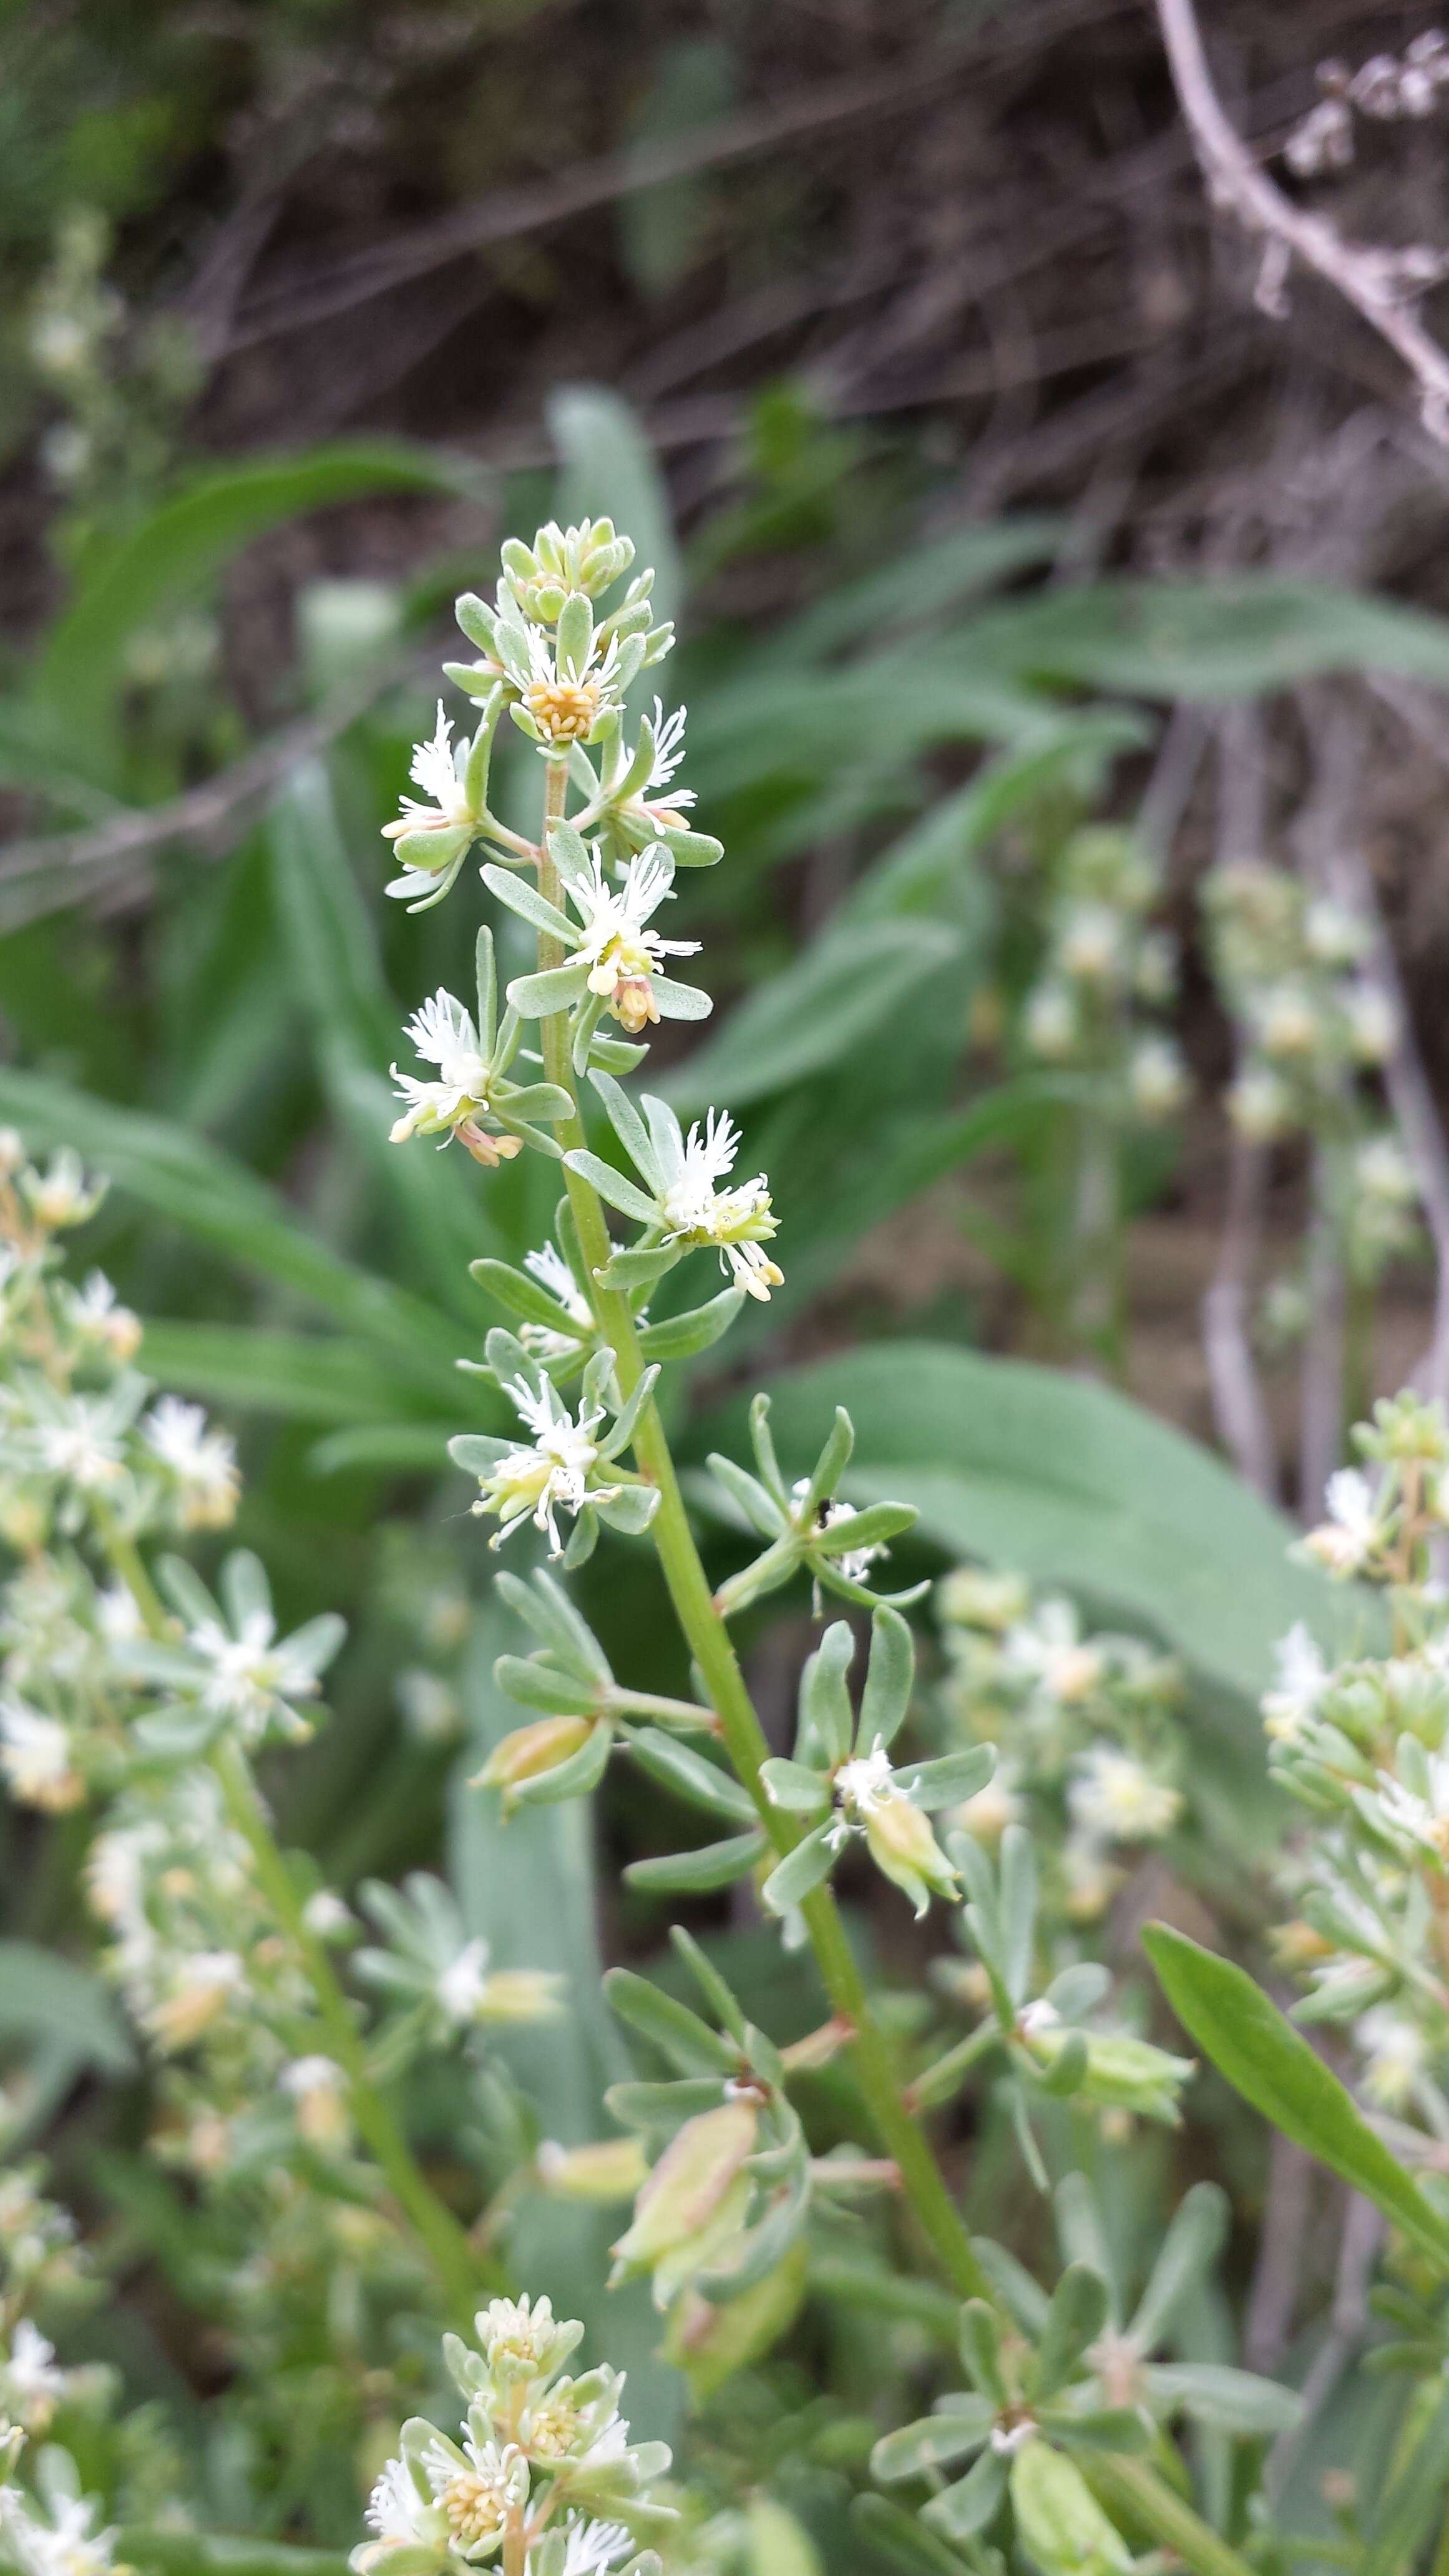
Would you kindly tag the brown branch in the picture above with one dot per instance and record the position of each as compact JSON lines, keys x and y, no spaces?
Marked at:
{"x":1365,"y":277}
{"x":1240,"y":1408}
{"x":206,"y":813}
{"x":510,"y":212}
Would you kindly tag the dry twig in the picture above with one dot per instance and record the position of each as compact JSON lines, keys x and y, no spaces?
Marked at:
{"x":1373,"y":281}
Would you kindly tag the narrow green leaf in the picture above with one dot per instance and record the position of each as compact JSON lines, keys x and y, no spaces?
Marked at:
{"x":1270,"y":2063}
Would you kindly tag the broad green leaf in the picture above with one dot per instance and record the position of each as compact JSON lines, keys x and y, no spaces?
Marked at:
{"x":920,"y":584}
{"x":1272,"y":2065}
{"x":49,"y":1998}
{"x":176,"y":549}
{"x":1028,"y":1467}
{"x":1206,"y":639}
{"x":311,"y":1377}
{"x":1232,"y":2401}
{"x":697,"y":1873}
{"x":179,"y":1176}
{"x":663,"y":230}
{"x":818,"y":1010}
{"x":902,"y":2541}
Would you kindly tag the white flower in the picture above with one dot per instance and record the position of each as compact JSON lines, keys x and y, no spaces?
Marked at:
{"x":1259,"y":1105}
{"x":1333,"y":935}
{"x":247,"y":1673}
{"x":1383,"y":1171}
{"x":61,"y":1195}
{"x":737,"y":1221}
{"x":1008,"y":2439}
{"x":589,"y":2547}
{"x":81,"y":1447}
{"x":1155,"y":1078}
{"x":204,"y":1986}
{"x":869,"y":1800}
{"x":439,"y":770}
{"x":202,"y":1460}
{"x":118,"y":1615}
{"x":1048,"y":1651}
{"x":1036,"y":2017}
{"x":1114,"y":1795}
{"x":429,"y":1705}
{"x":325,"y":1914}
{"x":318,"y":2086}
{"x":31,"y":2380}
{"x":862,"y":1787}
{"x":668,"y":753}
{"x":443,"y":1034}
{"x":1288,"y":1025}
{"x":1373,"y":1026}
{"x":476,"y":2488}
{"x":1397,"y":2054}
{"x":1302,"y":1674}
{"x":95,"y":1313}
{"x":395,"y":2510}
{"x":537,"y":1484}
{"x":35,"y":1756}
{"x":1346,"y":1541}
{"x":619,"y":949}
{"x":566,"y":704}
{"x":524,"y":2335}
{"x":65,"y":2545}
{"x":1090,"y":948}
{"x":1049,"y":1024}
{"x":548,"y":1266}
{"x":463,"y":1984}
{"x":1423,"y":1820}
{"x":855,"y":1564}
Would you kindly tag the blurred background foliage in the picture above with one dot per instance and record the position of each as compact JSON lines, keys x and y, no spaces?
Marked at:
{"x":989,"y":510}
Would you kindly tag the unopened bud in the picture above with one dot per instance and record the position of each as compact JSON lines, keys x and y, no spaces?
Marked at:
{"x":530,"y":1751}
{"x":609,"y":2169}
{"x":699,"y":2176}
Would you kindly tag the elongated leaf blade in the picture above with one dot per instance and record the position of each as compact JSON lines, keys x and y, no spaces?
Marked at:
{"x":1272,"y":2065}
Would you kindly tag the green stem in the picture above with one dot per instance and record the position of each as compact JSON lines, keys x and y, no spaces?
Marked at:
{"x":1130,"y":2487}
{"x":922,"y":2181}
{"x":130,"y":1565}
{"x":460,"y":2270}
{"x":207,"y":2553}
{"x":442,"y":2236}
{"x":709,"y":1640}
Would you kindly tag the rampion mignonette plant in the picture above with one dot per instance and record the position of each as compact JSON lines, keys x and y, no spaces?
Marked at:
{"x":731,"y":2183}
{"x":320,"y":2246}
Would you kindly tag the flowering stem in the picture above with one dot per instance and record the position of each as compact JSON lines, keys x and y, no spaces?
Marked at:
{"x":1129,"y":2486}
{"x":127,"y":1561}
{"x":741,"y":1733}
{"x":904,"y":2141}
{"x":459,"y":2265}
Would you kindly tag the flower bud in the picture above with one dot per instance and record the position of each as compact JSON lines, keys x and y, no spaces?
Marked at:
{"x":531,"y":1751}
{"x":1059,"y":2522}
{"x":608,"y":2169}
{"x":903,"y":1845}
{"x":698,"y":2181}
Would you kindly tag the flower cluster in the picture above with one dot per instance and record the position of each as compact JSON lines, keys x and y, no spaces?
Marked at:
{"x":1363,"y":1743}
{"x":1102,"y":966}
{"x":1293,"y":969}
{"x":543,"y":2467}
{"x":1053,"y":2380}
{"x":1084,"y":1722}
{"x":1385,"y":88}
